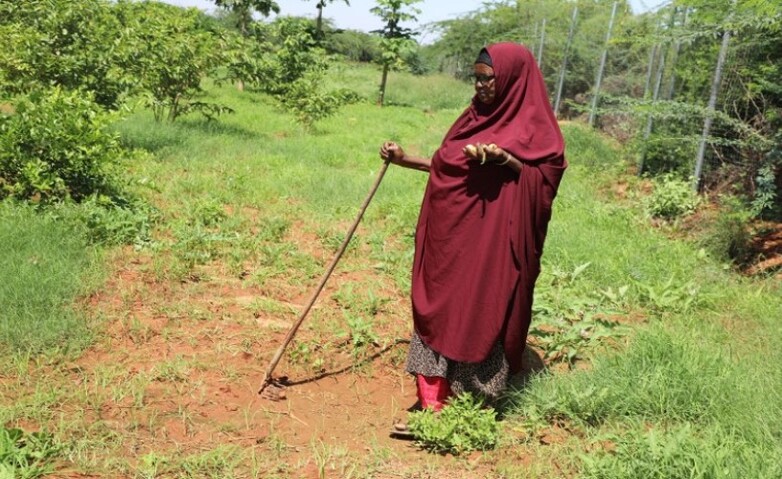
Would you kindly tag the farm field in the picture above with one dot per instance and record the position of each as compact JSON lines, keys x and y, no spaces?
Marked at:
{"x":647,"y":357}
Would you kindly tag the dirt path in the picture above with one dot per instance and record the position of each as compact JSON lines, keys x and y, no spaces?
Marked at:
{"x":179,"y":367}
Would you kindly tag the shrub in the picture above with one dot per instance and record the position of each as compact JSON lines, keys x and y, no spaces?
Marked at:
{"x":73,"y":45}
{"x":463,"y":425}
{"x":175,"y":49}
{"x":672,"y":198}
{"x":55,"y":146}
{"x":729,"y":238}
{"x":354,"y":45}
{"x":294,"y":73}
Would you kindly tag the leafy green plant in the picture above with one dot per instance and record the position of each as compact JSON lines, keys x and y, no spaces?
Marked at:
{"x":174,"y":51}
{"x":57,"y":145}
{"x":113,"y":222}
{"x":569,"y":322}
{"x":71,"y":45}
{"x":728,"y":237}
{"x":671,"y":198}
{"x":396,"y":41}
{"x":462,"y":426}
{"x":25,"y":455}
{"x":673,"y":296}
{"x":360,"y":332}
{"x":566,"y":339}
{"x":294,"y":71}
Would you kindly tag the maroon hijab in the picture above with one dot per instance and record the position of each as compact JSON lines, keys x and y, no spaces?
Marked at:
{"x":481,"y":229}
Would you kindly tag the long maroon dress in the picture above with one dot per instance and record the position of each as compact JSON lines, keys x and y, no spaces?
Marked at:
{"x":481,"y":230}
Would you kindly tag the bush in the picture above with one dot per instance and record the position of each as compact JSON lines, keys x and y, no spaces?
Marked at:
{"x":463,"y":425}
{"x":729,"y":238}
{"x":56,"y":146}
{"x":112,"y":221}
{"x":73,"y":45}
{"x":672,"y":198}
{"x":354,"y":45}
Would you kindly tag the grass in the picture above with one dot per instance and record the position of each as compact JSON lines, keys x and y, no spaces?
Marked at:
{"x":671,"y":358}
{"x":44,"y":266}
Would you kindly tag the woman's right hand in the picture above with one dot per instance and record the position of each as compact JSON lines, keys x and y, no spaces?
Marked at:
{"x":392,"y":152}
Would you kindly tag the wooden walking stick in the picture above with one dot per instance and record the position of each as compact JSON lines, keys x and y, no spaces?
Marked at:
{"x":267,"y":377}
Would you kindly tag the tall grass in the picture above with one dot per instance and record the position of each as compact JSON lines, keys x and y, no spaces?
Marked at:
{"x":44,"y":265}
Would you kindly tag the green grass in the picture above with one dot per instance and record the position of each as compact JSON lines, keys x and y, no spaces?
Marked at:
{"x":44,"y":266}
{"x":695,"y":392}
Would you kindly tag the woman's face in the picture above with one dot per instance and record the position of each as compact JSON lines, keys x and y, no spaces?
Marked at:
{"x":484,"y":83}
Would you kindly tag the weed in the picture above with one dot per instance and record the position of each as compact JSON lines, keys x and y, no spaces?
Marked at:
{"x":207,"y":212}
{"x":463,"y":425}
{"x":26,"y":455}
{"x":569,"y":322}
{"x":360,"y":333}
{"x":364,"y":302}
{"x":565,"y":339}
{"x":673,"y":296}
{"x":672,"y":198}
{"x":174,"y":370}
{"x":304,"y":353}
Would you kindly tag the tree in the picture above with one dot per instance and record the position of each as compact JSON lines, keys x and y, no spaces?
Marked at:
{"x":73,"y":45}
{"x":174,"y":50}
{"x":243,"y":9}
{"x":396,"y":40}
{"x":320,"y":6}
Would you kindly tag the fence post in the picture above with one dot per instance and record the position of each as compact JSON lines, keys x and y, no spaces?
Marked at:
{"x":655,"y":95}
{"x":707,"y":121}
{"x":542,"y":40}
{"x":534,"y":38}
{"x":592,"y":112}
{"x":562,"y":70}
{"x":676,"y":47}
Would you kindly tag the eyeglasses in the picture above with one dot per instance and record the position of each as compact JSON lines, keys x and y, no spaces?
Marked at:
{"x":484,"y":79}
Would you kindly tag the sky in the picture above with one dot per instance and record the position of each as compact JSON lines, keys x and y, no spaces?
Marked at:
{"x":357,"y":15}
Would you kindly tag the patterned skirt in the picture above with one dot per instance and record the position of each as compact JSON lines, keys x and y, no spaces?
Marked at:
{"x":486,"y":379}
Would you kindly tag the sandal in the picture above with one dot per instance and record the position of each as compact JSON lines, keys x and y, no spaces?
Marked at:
{"x":400,"y":431}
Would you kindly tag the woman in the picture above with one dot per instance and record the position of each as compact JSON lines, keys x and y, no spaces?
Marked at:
{"x":481,"y":230}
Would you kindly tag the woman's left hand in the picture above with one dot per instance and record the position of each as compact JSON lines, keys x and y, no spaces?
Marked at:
{"x":486,"y":153}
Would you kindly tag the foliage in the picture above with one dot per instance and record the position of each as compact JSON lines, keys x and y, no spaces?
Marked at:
{"x":175,"y":51}
{"x":320,"y":5}
{"x":569,"y":323}
{"x":749,"y":98}
{"x":73,"y":45}
{"x":112,"y":50}
{"x":768,"y":182}
{"x":57,"y":145}
{"x":728,"y":238}
{"x":674,"y":296}
{"x":671,"y":198}
{"x":353,"y":45}
{"x":116,"y":221}
{"x":463,"y":425}
{"x":26,"y":455}
{"x":396,"y":41}
{"x":293,"y":70}
{"x":243,"y":10}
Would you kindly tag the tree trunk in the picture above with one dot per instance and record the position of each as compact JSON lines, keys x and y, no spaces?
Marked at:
{"x":383,"y":86}
{"x":319,"y":24}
